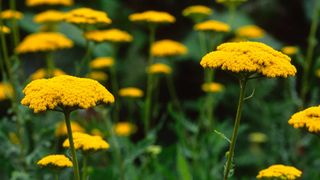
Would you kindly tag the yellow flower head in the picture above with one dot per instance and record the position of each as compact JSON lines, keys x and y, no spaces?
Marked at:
{"x":42,"y":73}
{"x":61,"y":129}
{"x":65,"y":92}
{"x":280,"y":172}
{"x":157,"y":17}
{"x":289,"y":50}
{"x":5,"y":91}
{"x":49,"y":2}
{"x":197,"y":10}
{"x":159,"y":68}
{"x":44,"y":41}
{"x":124,"y":128}
{"x":4,"y":29}
{"x":212,"y":25}
{"x":86,"y":142}
{"x":131,"y":92}
{"x":87,"y":16}
{"x":10,"y":14}
{"x":212,"y":87}
{"x":111,"y":35}
{"x":167,"y":47}
{"x":250,"y":31}
{"x":257,"y":137}
{"x":50,"y":16}
{"x":98,"y":75}
{"x":101,"y":62}
{"x":308,"y":119}
{"x":249,"y":57}
{"x":57,"y":161}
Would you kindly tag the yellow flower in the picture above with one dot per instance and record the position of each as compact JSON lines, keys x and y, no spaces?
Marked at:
{"x":280,"y":172}
{"x":168,"y":47}
{"x":101,"y":62}
{"x":152,"y":17}
{"x":87,"y":16}
{"x":289,"y":50}
{"x":50,"y":16}
{"x":10,"y":14}
{"x":197,"y":10}
{"x":5,"y":91}
{"x":308,"y":119}
{"x":111,"y":35}
{"x":61,"y":129}
{"x":4,"y":29}
{"x":87,"y":142}
{"x":250,"y":31}
{"x":257,"y":137}
{"x":44,"y":41}
{"x":57,"y":160}
{"x":212,"y":87}
{"x":131,"y":92}
{"x":42,"y":73}
{"x":249,"y":57}
{"x":98,"y":75}
{"x":124,"y":128}
{"x":65,"y":91}
{"x":159,"y":68}
{"x":212,"y":25}
{"x":49,"y":2}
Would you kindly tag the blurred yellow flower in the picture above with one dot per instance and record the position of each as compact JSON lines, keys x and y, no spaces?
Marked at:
{"x":280,"y":172}
{"x":167,"y":47}
{"x":49,"y":2}
{"x":124,"y":128}
{"x":65,"y":91}
{"x":249,"y":57}
{"x":154,"y":149}
{"x":87,"y":16}
{"x":257,"y":137}
{"x":56,"y":160}
{"x":4,"y":29}
{"x":42,"y":73}
{"x":61,"y":128}
{"x":159,"y":68}
{"x":152,"y":17}
{"x":308,"y":119}
{"x":250,"y":31}
{"x":101,"y":62}
{"x":98,"y":75}
{"x":50,"y":16}
{"x":86,"y":142}
{"x":96,"y":132}
{"x":197,"y":10}
{"x":5,"y":91}
{"x":212,"y":25}
{"x":289,"y":50}
{"x":10,"y":14}
{"x":44,"y":41}
{"x":111,"y":35}
{"x":212,"y":87}
{"x":131,"y":92}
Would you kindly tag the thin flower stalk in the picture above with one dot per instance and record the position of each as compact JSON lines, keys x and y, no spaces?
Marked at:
{"x":114,"y":81}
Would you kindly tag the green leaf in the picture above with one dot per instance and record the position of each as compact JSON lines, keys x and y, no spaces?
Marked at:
{"x":182,"y":166}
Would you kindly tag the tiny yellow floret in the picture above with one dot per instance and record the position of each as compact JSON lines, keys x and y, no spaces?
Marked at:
{"x":308,"y":119}
{"x":290,"y":50}
{"x":50,"y":16}
{"x":49,"y":2}
{"x":197,"y":10}
{"x":280,"y":172}
{"x":124,"y":128}
{"x":159,"y":68}
{"x":43,"y":73}
{"x":87,"y":16}
{"x":11,"y":14}
{"x":212,"y":25}
{"x":157,"y":17}
{"x":110,"y":35}
{"x":101,"y":62}
{"x":167,"y":47}
{"x":65,"y":92}
{"x":86,"y":142}
{"x":43,"y":42}
{"x":212,"y":87}
{"x":131,"y":92}
{"x":249,"y":57}
{"x":56,"y":160}
{"x":250,"y":31}
{"x":61,"y":128}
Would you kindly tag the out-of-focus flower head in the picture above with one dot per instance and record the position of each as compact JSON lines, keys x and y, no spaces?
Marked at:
{"x":4,"y":29}
{"x":167,"y":47}
{"x":212,"y":26}
{"x":110,"y":35}
{"x":32,"y":3}
{"x":86,"y":142}
{"x":82,"y":16}
{"x":55,"y":161}
{"x":50,"y":16}
{"x":98,"y":75}
{"x":290,"y":50}
{"x":131,"y":92}
{"x":124,"y":128}
{"x":280,"y":172}
{"x":101,"y":62}
{"x":11,"y":14}
{"x":61,"y":129}
{"x":257,"y":137}
{"x":212,"y":87}
{"x":159,"y":68}
{"x":43,"y":73}
{"x":5,"y":91}
{"x":250,"y":31}
{"x":155,"y":17}
{"x":197,"y":12}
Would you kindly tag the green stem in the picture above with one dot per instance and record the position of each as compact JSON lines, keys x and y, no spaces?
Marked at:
{"x":242,"y":82}
{"x":202,"y":43}
{"x":312,"y":42}
{"x":85,"y":60}
{"x":15,"y":28}
{"x":232,"y":11}
{"x":84,"y":167}
{"x":114,"y":83}
{"x":147,"y":107}
{"x":56,"y":176}
{"x":72,"y":148}
{"x":173,"y":93}
{"x":50,"y":65}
